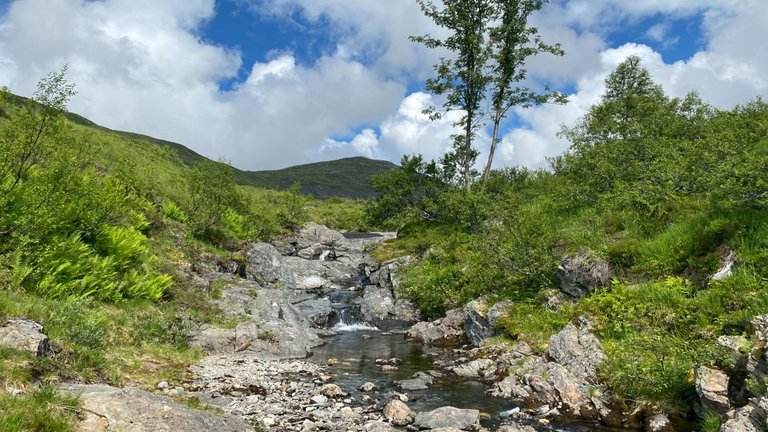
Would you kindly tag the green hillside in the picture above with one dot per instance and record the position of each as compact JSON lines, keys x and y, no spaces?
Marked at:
{"x":349,"y":177}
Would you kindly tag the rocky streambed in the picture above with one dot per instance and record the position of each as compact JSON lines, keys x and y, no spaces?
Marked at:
{"x":324,"y":343}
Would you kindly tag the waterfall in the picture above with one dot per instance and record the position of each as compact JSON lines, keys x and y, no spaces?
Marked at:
{"x":325,"y":254}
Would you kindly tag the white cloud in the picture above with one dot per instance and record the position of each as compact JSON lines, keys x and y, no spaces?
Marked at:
{"x":140,"y":65}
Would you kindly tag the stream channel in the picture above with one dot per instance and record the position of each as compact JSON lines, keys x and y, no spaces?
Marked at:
{"x":358,"y":346}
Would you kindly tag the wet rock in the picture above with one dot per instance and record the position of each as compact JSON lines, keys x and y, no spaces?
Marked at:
{"x":712,"y":388}
{"x":318,"y":310}
{"x":368,"y":387}
{"x":659,"y":423}
{"x":577,"y":349}
{"x":108,"y":408}
{"x":444,"y":332}
{"x":581,"y":274}
{"x":398,"y":413}
{"x":515,"y":428}
{"x":25,"y":335}
{"x":420,"y":381}
{"x":445,"y":417}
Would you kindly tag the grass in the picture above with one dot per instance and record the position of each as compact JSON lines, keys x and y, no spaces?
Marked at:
{"x":42,"y":409}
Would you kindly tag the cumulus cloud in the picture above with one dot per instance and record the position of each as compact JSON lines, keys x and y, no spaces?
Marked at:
{"x":142,"y":65}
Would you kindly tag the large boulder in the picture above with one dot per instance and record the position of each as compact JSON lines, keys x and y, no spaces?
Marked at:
{"x":749,"y":418}
{"x":581,"y":274}
{"x":480,"y":319}
{"x":398,"y":413}
{"x":25,"y":335}
{"x":106,"y":408}
{"x":446,"y":417}
{"x":712,"y":388}
{"x":264,"y":266}
{"x":576,"y":348}
{"x":380,"y":307}
{"x":444,"y":332}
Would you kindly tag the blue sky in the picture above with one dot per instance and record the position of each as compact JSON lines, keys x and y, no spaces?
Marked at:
{"x":271,"y":83}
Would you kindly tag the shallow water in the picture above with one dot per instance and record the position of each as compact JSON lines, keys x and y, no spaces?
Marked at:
{"x":358,"y":346}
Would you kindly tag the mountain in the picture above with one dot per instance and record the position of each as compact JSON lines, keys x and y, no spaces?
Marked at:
{"x":348,"y":177}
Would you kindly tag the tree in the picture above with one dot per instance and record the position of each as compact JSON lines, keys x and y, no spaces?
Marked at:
{"x":463,"y":79}
{"x":513,"y":41}
{"x":29,"y":138}
{"x":212,"y":192}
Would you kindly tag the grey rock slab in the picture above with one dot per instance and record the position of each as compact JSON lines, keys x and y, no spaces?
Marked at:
{"x":446,"y":417}
{"x":577,"y":349}
{"x":581,"y":274}
{"x":444,"y":332}
{"x":132,"y":410}
{"x":25,"y":335}
{"x":712,"y":388}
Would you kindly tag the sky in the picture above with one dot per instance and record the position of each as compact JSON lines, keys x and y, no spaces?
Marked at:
{"x":266,"y":84}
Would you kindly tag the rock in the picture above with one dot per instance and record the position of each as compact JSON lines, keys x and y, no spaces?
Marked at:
{"x":264,"y":265}
{"x":420,"y":381}
{"x":542,"y":393}
{"x":760,"y":326}
{"x":712,"y":388}
{"x":162,"y":385}
{"x":659,"y":423}
{"x":318,"y":310}
{"x":475,"y":368}
{"x":749,"y":418}
{"x":381,"y":308}
{"x":332,"y":362}
{"x":577,"y":349}
{"x":312,"y":232}
{"x":368,"y":387}
{"x":319,"y":400}
{"x":726,"y":264}
{"x":398,"y":413}
{"x":515,"y":428}
{"x":574,"y":400}
{"x":25,"y":335}
{"x":445,"y":417}
{"x":581,"y":274}
{"x":108,"y":408}
{"x":445,"y":332}
{"x":332,"y":391}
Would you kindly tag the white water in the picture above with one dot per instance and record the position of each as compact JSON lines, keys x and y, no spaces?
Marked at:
{"x":324,"y":255}
{"x":343,"y":327}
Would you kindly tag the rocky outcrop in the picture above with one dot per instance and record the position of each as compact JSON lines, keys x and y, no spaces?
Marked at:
{"x":581,"y":274}
{"x":750,"y":418}
{"x":480,"y":319}
{"x":444,"y":332}
{"x":106,"y":408}
{"x":25,"y":335}
{"x":712,"y":388}
{"x":576,"y":348}
{"x":448,"y":417}
{"x":384,"y":309}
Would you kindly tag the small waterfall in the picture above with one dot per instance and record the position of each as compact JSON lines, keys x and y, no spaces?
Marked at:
{"x":347,"y":312}
{"x":324,"y":254}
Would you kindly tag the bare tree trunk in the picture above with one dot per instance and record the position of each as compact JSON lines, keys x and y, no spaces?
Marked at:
{"x":494,"y":141}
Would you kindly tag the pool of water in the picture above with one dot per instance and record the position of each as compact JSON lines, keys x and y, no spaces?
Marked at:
{"x":358,"y":348}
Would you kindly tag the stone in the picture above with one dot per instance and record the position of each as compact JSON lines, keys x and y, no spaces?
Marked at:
{"x":420,"y":381}
{"x":382,"y":308}
{"x":444,"y":332}
{"x":749,"y":418}
{"x":108,"y":408}
{"x":332,"y":391}
{"x":760,"y":326}
{"x":368,"y":387}
{"x":712,"y":388}
{"x":581,"y":274}
{"x":574,"y":402}
{"x":475,"y":368}
{"x":480,"y":319}
{"x":398,"y":413}
{"x":264,"y":266}
{"x":319,"y":400}
{"x":445,"y":417}
{"x":516,"y":428}
{"x":577,"y":349}
{"x":25,"y":335}
{"x":659,"y":423}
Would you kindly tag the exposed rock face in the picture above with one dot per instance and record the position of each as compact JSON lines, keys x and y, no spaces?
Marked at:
{"x":712,"y":388}
{"x":750,"y":418}
{"x":384,"y":309}
{"x":25,"y":335}
{"x":447,"y":417}
{"x":581,"y":274}
{"x":264,"y":266}
{"x":480,"y":319}
{"x":108,"y":408}
{"x":577,"y":349}
{"x":443,"y":332}
{"x":398,"y":413}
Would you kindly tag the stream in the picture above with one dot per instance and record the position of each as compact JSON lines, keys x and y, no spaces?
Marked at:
{"x":358,"y":346}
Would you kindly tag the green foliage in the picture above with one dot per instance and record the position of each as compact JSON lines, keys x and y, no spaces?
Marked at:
{"x":43,"y":409}
{"x":294,"y":213}
{"x":212,"y":192}
{"x":173,"y":212}
{"x":711,"y":422}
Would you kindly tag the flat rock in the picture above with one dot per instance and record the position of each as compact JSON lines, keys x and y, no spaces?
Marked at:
{"x":444,"y":332}
{"x":108,"y":408}
{"x":712,"y":388}
{"x":446,"y":417}
{"x":25,"y":335}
